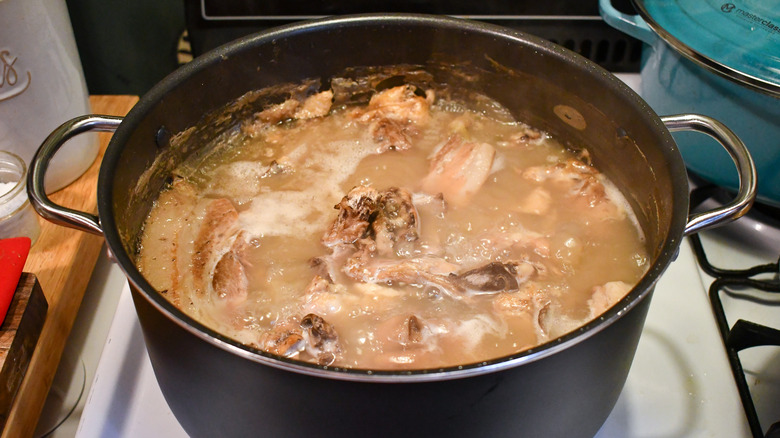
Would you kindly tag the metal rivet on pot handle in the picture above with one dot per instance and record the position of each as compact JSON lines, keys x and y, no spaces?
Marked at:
{"x":746,"y":170}
{"x":35,"y":179}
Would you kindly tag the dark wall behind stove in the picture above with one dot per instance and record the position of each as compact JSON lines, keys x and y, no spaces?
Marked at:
{"x":128,"y":46}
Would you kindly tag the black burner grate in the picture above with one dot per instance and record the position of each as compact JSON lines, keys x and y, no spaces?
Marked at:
{"x":743,"y":334}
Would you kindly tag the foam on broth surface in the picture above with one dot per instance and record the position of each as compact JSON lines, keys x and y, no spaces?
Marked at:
{"x":509,"y":239}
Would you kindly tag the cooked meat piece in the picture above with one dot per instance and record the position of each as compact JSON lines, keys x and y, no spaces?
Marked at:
{"x":581,"y":182}
{"x":436,"y":201}
{"x":397,"y":221}
{"x":355,"y":213}
{"x":491,"y":278}
{"x":554,"y":322}
{"x":426,"y":271}
{"x":329,"y":266}
{"x":391,"y":135}
{"x":606,"y":295}
{"x":405,"y":333}
{"x":230,"y":282}
{"x":414,"y":330}
{"x":530,"y":241}
{"x":325,"y":297}
{"x":393,"y":115}
{"x":494,"y":277}
{"x":322,"y":341}
{"x":399,"y":104}
{"x":322,"y":268}
{"x":317,"y":105}
{"x":459,"y":169}
{"x":537,"y":202}
{"x":279,"y":112}
{"x":527,"y":135}
{"x":513,"y":303}
{"x":388,"y":217}
{"x":285,"y":339}
{"x":528,"y":299}
{"x":216,"y":233}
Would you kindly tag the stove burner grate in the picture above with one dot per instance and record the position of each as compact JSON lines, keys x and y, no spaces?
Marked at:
{"x":743,"y":334}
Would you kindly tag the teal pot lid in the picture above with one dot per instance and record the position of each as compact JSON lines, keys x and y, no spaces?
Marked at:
{"x":738,"y":39}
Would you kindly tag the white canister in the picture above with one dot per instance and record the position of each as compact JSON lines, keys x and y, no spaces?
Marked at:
{"x":41,"y":86}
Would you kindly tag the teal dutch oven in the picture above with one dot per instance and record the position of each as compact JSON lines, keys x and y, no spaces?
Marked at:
{"x":720,"y":58}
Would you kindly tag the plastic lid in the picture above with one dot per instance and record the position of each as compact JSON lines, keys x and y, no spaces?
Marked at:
{"x":739,"y":39}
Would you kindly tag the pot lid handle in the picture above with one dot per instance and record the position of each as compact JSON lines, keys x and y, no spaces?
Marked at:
{"x":40,"y":163}
{"x":746,"y":169}
{"x":633,"y":25}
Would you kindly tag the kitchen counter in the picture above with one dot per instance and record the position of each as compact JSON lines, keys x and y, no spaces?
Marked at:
{"x":63,"y":260}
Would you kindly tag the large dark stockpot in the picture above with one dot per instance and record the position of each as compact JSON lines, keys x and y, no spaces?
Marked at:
{"x":567,"y":387}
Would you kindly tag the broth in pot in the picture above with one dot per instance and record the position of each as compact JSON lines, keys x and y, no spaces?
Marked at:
{"x":410,"y":232}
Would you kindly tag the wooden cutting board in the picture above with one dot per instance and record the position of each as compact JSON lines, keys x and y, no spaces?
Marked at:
{"x":62,"y":259}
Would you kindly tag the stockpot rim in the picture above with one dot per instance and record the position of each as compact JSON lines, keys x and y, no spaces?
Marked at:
{"x":147,"y":102}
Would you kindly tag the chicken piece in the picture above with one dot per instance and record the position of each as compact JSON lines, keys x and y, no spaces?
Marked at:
{"x":537,"y":202}
{"x":494,"y":277}
{"x":285,"y":339}
{"x":391,"y":135}
{"x":424,"y":271}
{"x":355,"y":213}
{"x":325,"y":297}
{"x":459,"y":169}
{"x":513,"y":303}
{"x":555,"y":321}
{"x":526,"y":135}
{"x":389,"y":217}
{"x":405,"y":331}
{"x":317,"y":105}
{"x":329,"y":266}
{"x":215,"y":234}
{"x":581,"y":182}
{"x":229,"y":281}
{"x":393,"y":116}
{"x":322,"y":341}
{"x":528,"y":299}
{"x":279,"y":112}
{"x":397,"y":221}
{"x":436,"y":202}
{"x":413,"y":331}
{"x":400,"y":104}
{"x":606,"y":295}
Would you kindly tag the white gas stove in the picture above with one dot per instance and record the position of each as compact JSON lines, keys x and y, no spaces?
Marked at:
{"x":680,"y":383}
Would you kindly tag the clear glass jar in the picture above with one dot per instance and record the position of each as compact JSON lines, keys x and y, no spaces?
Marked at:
{"x":17,"y":217}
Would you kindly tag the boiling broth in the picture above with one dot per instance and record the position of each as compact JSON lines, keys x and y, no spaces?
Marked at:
{"x":457,"y":236}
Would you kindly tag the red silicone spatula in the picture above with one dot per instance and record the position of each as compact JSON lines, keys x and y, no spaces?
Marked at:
{"x":13,"y":254}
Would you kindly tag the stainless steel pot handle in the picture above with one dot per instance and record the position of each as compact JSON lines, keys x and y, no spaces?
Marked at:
{"x":40,"y":163}
{"x":746,"y":170}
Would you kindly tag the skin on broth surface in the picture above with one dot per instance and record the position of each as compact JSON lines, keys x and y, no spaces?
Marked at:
{"x":407,"y":233}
